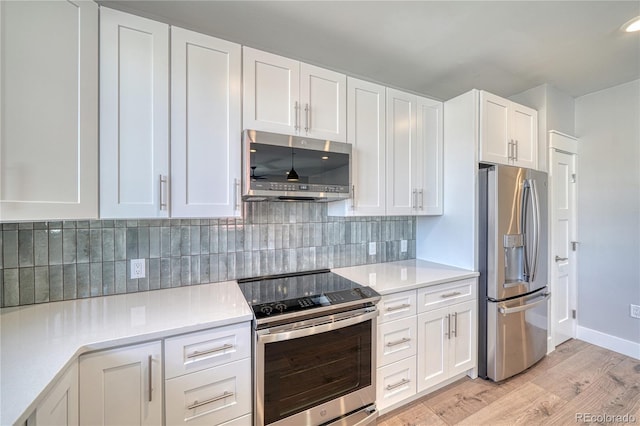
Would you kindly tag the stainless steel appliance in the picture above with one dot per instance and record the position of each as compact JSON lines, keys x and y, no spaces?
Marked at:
{"x":314,"y":349}
{"x":284,"y":168}
{"x":513,"y":290}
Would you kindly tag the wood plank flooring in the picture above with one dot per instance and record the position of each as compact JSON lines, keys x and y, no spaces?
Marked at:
{"x":574,"y":382}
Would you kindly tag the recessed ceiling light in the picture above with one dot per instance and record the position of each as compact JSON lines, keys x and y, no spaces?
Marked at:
{"x":633,"y":25}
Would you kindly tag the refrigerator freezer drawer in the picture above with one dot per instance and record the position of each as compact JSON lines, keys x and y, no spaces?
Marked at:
{"x":516,"y":334}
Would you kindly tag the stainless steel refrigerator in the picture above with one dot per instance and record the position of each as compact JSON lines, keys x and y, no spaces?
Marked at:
{"x":513,"y":307}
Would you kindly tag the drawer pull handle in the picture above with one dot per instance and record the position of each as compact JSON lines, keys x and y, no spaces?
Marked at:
{"x":197,"y":404}
{"x":448,"y":295}
{"x":399,"y":342}
{"x":397,"y":385}
{"x":398,"y":307}
{"x":210,"y":351}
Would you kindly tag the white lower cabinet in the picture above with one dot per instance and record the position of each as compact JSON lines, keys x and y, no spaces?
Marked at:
{"x":209,"y":376}
{"x":211,"y":396}
{"x":396,"y":382}
{"x":425,"y":337}
{"x":447,"y":339}
{"x":207,"y":381}
{"x":122,"y":386}
{"x":60,"y":405}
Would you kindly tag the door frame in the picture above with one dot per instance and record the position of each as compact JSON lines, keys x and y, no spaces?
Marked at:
{"x":560,"y":142}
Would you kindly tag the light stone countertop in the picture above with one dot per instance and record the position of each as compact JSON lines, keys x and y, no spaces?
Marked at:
{"x":393,"y":277}
{"x":38,"y":342}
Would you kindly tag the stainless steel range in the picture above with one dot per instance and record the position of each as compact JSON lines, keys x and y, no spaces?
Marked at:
{"x":314,"y":349}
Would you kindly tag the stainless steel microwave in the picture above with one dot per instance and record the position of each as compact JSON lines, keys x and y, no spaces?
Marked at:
{"x":280,"y":167}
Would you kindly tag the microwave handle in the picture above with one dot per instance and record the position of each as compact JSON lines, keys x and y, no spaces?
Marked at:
{"x":353,"y":197}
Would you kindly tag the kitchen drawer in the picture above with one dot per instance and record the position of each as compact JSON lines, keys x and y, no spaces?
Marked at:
{"x":446,"y":294}
{"x":396,"y":340}
{"x":395,"y":382}
{"x":208,"y":397}
{"x":397,"y":305}
{"x":204,"y":349}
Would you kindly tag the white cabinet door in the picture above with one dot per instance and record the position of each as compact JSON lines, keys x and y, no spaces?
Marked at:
{"x":122,"y":386}
{"x":134,"y":116}
{"x":401,"y":155}
{"x":366,"y":134}
{"x":463,"y":343}
{"x":323,"y":95}
{"x":429,"y":156}
{"x":508,"y":132}
{"x":210,"y":397}
{"x":49,"y":114}
{"x":495,"y":145}
{"x":433,"y":348}
{"x":60,"y":406}
{"x":205,"y":125}
{"x":396,"y":340}
{"x":271,"y":100}
{"x":285,"y":96}
{"x":525,"y":134}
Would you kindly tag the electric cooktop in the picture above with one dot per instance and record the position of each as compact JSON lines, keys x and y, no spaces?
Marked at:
{"x":277,"y":295}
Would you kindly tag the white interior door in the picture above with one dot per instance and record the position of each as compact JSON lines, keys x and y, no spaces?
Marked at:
{"x":563,"y":218}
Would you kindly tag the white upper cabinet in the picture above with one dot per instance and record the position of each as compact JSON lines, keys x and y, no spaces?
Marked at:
{"x":49,"y":114}
{"x":205,"y":125}
{"x":134,"y":116}
{"x":286,"y":96}
{"x":401,"y":152}
{"x":508,"y":132}
{"x":413,"y":154}
{"x":366,"y":132}
{"x":430,"y":157}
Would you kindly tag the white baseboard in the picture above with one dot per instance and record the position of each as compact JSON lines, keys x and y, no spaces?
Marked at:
{"x":607,"y":341}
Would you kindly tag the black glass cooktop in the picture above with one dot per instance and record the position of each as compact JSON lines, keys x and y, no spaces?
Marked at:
{"x":283,"y":294}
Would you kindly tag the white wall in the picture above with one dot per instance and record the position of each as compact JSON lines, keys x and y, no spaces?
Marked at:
{"x":608,"y":125}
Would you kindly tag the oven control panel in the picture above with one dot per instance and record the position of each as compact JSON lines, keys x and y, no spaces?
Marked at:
{"x":270,"y":309}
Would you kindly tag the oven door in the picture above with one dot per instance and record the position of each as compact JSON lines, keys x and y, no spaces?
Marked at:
{"x":314,"y":371}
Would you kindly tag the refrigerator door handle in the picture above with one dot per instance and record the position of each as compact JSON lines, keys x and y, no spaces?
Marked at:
{"x":535,"y":206}
{"x":524,"y":207}
{"x":507,"y":311}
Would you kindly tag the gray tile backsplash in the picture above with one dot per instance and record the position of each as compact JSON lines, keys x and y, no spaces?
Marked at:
{"x":49,"y":261}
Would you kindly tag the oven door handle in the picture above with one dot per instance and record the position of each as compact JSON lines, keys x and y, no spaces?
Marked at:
{"x":316,"y":326}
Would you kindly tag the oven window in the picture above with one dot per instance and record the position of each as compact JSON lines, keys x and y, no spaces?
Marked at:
{"x":302,"y":373}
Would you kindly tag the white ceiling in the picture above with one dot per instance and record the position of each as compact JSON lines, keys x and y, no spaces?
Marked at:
{"x":436,"y":48}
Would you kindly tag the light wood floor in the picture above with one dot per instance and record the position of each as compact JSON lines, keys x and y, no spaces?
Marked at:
{"x":576,"y":378}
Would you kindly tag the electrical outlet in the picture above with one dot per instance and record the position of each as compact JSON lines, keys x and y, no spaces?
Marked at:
{"x":403,"y":246}
{"x":635,"y":311}
{"x":372,"y":249}
{"x":137,"y":268}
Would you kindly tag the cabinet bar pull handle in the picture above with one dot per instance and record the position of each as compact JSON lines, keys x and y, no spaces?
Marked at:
{"x":210,"y":351}
{"x":163,"y":188}
{"x":197,"y":404}
{"x":397,"y":385}
{"x":150,"y":378}
{"x":510,"y":150}
{"x":515,"y":150}
{"x":353,"y":197}
{"x":296,"y":117}
{"x":448,"y":333}
{"x":236,"y":190}
{"x":421,"y":199}
{"x":398,"y":307}
{"x":455,"y":324}
{"x":414,"y":205}
{"x":448,"y":295}
{"x":399,"y":342}
{"x":306,"y":118}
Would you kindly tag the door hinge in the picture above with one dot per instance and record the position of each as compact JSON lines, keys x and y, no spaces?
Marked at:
{"x":573,"y":178}
{"x":574,"y":245}
{"x":573,"y":313}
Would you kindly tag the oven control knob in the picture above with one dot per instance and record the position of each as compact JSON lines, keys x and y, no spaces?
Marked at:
{"x":281,"y":307}
{"x":266,"y":310}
